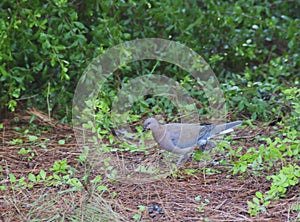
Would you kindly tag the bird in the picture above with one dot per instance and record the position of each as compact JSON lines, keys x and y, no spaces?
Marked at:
{"x":181,"y":138}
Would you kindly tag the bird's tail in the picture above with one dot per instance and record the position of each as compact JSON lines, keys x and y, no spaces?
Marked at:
{"x":224,"y":128}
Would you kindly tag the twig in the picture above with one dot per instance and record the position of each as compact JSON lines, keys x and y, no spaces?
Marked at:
{"x":247,"y":137}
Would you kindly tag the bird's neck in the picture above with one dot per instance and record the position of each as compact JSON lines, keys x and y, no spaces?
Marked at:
{"x":158,"y":133}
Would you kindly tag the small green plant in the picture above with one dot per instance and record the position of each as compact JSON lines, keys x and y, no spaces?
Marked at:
{"x":265,"y":157}
{"x":2,"y":186}
{"x":201,"y":202}
{"x":293,"y":98}
{"x":192,"y":171}
{"x":138,"y":216}
{"x":26,"y":152}
{"x":97,"y":182}
{"x":63,"y":175}
{"x":32,"y":138}
{"x":60,"y":167}
{"x":258,"y":204}
{"x":287,"y":177}
{"x":17,"y":184}
{"x":84,"y":155}
{"x":12,"y":178}
{"x":295,"y":207}
{"x":36,"y":179}
{"x":102,"y":188}
{"x":27,"y":182}
{"x":16,"y":141}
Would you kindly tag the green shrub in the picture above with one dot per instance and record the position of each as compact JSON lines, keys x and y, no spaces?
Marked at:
{"x":45,"y":47}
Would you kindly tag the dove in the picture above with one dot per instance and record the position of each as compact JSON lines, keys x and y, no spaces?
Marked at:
{"x":181,"y":139}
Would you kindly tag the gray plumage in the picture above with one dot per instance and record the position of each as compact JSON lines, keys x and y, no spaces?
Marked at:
{"x":182,"y":138}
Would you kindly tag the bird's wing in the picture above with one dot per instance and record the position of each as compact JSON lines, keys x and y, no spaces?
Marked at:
{"x":185,"y":135}
{"x":224,"y":128}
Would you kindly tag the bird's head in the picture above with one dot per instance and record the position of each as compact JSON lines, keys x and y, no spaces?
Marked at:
{"x":150,"y":123}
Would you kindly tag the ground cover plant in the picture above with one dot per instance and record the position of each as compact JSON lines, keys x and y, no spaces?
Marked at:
{"x":47,"y":175}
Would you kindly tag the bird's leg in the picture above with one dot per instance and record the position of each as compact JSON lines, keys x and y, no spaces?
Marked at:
{"x":183,"y":158}
{"x":180,"y":160}
{"x":206,"y":143}
{"x":202,"y":147}
{"x":202,"y":144}
{"x":211,"y":144}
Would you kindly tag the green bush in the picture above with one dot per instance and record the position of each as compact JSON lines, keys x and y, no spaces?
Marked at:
{"x":45,"y":47}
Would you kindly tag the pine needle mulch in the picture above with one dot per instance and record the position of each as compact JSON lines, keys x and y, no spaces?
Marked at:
{"x":200,"y":196}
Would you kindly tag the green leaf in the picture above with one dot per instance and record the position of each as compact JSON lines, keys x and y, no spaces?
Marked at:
{"x":31,"y":177}
{"x":12,"y":178}
{"x":3,"y":188}
{"x":102,"y":188}
{"x":142,"y":208}
{"x":255,"y":200}
{"x":3,"y":72}
{"x":43,"y":174}
{"x":32,"y":118}
{"x":55,"y":176}
{"x":198,"y":198}
{"x":259,"y":195}
{"x":267,"y":203}
{"x":61,"y":142}
{"x":32,"y":138}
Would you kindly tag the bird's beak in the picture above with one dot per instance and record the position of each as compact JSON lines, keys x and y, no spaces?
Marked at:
{"x":144,"y":128}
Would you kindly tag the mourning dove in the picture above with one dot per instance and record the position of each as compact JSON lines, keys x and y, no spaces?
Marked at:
{"x":182,"y":138}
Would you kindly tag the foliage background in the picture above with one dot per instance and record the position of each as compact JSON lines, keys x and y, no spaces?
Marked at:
{"x":250,"y":45}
